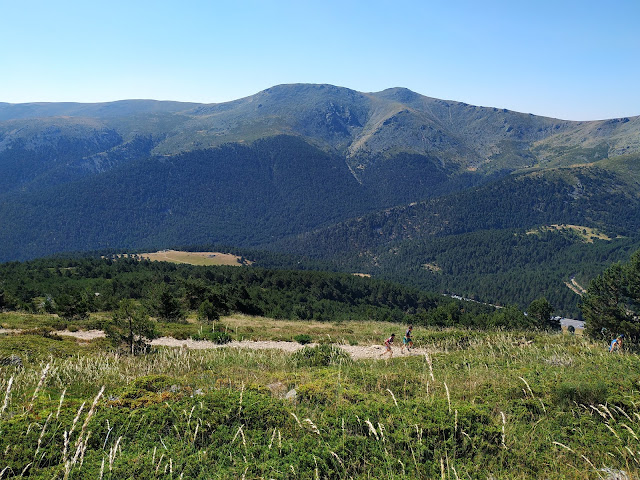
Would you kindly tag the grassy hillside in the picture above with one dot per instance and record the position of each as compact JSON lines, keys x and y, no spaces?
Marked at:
{"x":478,"y":405}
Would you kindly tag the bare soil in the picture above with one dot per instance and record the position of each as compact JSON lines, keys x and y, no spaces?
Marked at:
{"x":357,"y":352}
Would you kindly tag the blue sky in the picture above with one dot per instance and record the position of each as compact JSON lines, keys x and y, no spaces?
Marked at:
{"x":577,"y":60}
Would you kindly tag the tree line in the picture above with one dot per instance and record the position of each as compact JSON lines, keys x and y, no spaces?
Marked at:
{"x":611,"y":305}
{"x":75,"y":287}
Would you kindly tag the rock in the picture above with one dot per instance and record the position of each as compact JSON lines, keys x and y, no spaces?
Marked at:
{"x":613,"y":474}
{"x":291,"y":395}
{"x":277,"y":389}
{"x":13,"y":360}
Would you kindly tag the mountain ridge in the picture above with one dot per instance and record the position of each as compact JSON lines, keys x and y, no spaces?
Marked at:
{"x":316,"y":169}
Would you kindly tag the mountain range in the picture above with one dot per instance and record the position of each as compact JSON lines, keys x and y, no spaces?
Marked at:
{"x":383,"y":182}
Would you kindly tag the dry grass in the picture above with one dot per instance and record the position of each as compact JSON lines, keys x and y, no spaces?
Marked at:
{"x":261,"y":328}
{"x":489,"y":399}
{"x":587,"y":234}
{"x":193,"y":258}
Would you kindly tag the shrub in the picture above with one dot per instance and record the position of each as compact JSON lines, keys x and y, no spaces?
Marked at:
{"x":581,"y":393}
{"x":131,"y":325}
{"x":302,"y":339}
{"x":153,"y":383}
{"x":320,"y":356}
{"x":217,"y":337}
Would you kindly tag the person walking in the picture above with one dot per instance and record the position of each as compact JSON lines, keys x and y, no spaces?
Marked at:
{"x":407,"y":341}
{"x":387,"y":344}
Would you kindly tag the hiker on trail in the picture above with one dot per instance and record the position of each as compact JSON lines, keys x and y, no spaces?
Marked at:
{"x":616,"y":344}
{"x":387,"y":344}
{"x":407,"y":341}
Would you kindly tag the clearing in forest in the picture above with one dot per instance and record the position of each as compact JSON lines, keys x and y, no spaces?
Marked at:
{"x":194,"y":258}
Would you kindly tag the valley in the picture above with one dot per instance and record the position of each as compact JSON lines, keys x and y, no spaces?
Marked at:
{"x":318,"y":176}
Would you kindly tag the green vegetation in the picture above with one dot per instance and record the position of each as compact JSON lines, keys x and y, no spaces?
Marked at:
{"x":502,"y":267}
{"x":478,"y":405}
{"x":477,"y":243}
{"x":509,"y":401}
{"x":130,"y":324}
{"x":174,"y":293}
{"x":374,"y":183}
{"x":611,"y":305}
{"x":302,"y":338}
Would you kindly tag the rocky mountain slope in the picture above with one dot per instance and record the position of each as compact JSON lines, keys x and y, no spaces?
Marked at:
{"x":314,"y":169}
{"x":363,"y":128}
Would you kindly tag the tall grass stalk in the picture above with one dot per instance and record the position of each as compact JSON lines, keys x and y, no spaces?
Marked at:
{"x":448,"y":396}
{"x":43,"y":376}
{"x":67,"y":435}
{"x":6,"y":399}
{"x":297,"y":419}
{"x":89,"y":415}
{"x":313,"y":426}
{"x":528,"y":387}
{"x":60,"y":404}
{"x":114,"y":450}
{"x":428,"y":359}
{"x":273,"y":436}
{"x":394,"y":397}
{"x":372,"y":429}
{"x":4,"y":470}
{"x":44,"y":428}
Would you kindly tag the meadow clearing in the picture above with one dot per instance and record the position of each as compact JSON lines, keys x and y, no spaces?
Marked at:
{"x":192,"y":258}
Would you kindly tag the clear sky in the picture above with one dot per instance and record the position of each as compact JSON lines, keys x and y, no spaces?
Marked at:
{"x":577,"y":60}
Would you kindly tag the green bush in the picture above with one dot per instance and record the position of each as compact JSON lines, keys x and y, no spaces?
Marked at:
{"x":320,"y":356}
{"x":302,"y":339}
{"x":217,"y":337}
{"x":153,"y":383}
{"x":580,"y":393}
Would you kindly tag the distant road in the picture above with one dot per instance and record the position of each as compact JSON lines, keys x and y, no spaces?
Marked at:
{"x":564,"y":322}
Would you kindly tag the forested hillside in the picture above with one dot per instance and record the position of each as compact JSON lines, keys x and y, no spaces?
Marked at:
{"x":328,"y":174}
{"x":476,"y":243}
{"x":74,"y":287}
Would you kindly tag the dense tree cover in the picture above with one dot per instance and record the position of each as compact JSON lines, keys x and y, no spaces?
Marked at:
{"x":503,"y":267}
{"x":244,"y":195}
{"x":168,"y":291}
{"x":591,"y":197}
{"x":541,"y":310}
{"x":476,"y":241}
{"x":296,"y":188}
{"x":612,"y":303}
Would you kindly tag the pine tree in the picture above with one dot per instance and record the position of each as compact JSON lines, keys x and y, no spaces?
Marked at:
{"x":130,"y":324}
{"x":611,"y":304}
{"x":541,"y":311}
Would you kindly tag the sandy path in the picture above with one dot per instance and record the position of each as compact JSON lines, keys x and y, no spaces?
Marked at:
{"x":356,"y":351}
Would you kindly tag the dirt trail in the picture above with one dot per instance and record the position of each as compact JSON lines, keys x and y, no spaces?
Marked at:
{"x":357,"y":352}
